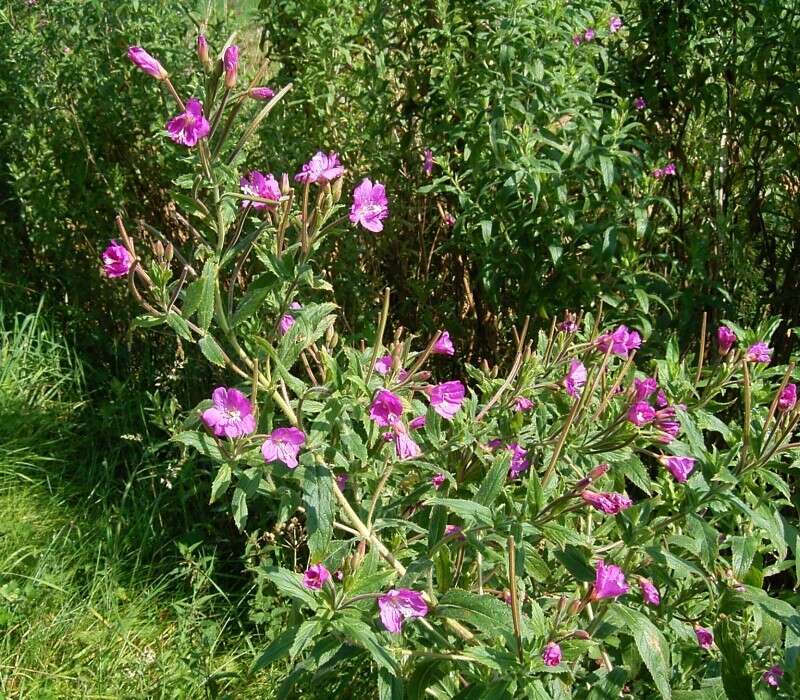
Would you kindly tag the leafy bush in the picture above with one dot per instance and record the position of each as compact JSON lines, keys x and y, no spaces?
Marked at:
{"x":490,"y":522}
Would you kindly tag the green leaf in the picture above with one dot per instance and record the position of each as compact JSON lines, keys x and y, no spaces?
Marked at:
{"x":277,"y":649}
{"x":493,"y":482}
{"x":318,"y":497}
{"x":211,"y":351}
{"x":735,"y":678}
{"x":743,"y":550}
{"x":239,"y":505}
{"x":308,"y":630}
{"x":179,"y":325}
{"x":362,"y":634}
{"x":575,"y":561}
{"x":487,"y":614}
{"x":607,"y":170}
{"x":202,"y":442}
{"x":290,"y":584}
{"x":222,"y":482}
{"x":257,"y":291}
{"x":390,"y":687}
{"x":208,"y":287}
{"x":470,"y":511}
{"x":191,"y":298}
{"x":651,"y":644}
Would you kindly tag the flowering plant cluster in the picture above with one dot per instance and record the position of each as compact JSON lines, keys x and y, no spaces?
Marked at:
{"x":571,"y":521}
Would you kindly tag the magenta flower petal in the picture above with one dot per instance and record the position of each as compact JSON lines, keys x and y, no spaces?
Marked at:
{"x":283,"y":445}
{"x":522,"y":404}
{"x":320,"y":169}
{"x":145,"y":62}
{"x":257,"y":184}
{"x":639,"y":103}
{"x":787,"y":399}
{"x":576,"y":378}
{"x":443,"y":346}
{"x":641,"y":413}
{"x":370,"y":206}
{"x":609,"y":581}
{"x":679,"y":467}
{"x":189,"y":127}
{"x":725,"y":339}
{"x":759,"y":352}
{"x":773,"y":676}
{"x":551,"y":655}
{"x":705,"y":637}
{"x":446,"y":398}
{"x":615,"y":24}
{"x":650,"y":593}
{"x":610,"y":503}
{"x":437,"y":480}
{"x":316,"y":576}
{"x":427,"y":161}
{"x":397,"y":606}
{"x":386,"y":408}
{"x":262,"y":93}
{"x":231,"y":416}
{"x":117,"y":261}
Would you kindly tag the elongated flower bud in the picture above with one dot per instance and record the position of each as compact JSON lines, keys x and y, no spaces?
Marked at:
{"x":262,"y":93}
{"x":230,"y":63}
{"x":202,"y":51}
{"x":145,"y":62}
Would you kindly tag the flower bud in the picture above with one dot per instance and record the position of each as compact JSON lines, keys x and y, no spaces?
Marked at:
{"x":336,"y":189}
{"x":598,"y":471}
{"x":262,"y":93}
{"x":158,"y":249}
{"x":285,"y":186}
{"x":581,"y":634}
{"x":230,"y":62}
{"x":145,"y":62}
{"x":169,"y":251}
{"x":202,"y":51}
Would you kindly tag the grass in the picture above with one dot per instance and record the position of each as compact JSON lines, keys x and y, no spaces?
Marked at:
{"x":108,"y":588}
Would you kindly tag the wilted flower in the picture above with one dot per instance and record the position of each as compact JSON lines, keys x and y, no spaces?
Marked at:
{"x":287,"y":320}
{"x":773,"y":676}
{"x":341,"y":481}
{"x":231,"y":416}
{"x":404,"y":445}
{"x":705,"y":638}
{"x":569,"y":324}
{"x":589,"y":34}
{"x":427,"y":163}
{"x":437,"y":480}
{"x":449,"y":219}
{"x":661,"y":399}
{"x":650,"y":593}
{"x":117,"y":261}
{"x":446,"y":398}
{"x":262,"y":93}
{"x":230,"y":62}
{"x":417,"y":423}
{"x":370,"y":206}
{"x":576,"y":378}
{"x":386,"y":408}
{"x":145,"y":62}
{"x":641,"y":413}
{"x":759,"y":352}
{"x":667,"y":423}
{"x":443,"y":346}
{"x":283,"y":445}
{"x":609,"y":581}
{"x":610,"y":502}
{"x":551,"y":654}
{"x":189,"y":127}
{"x":679,"y":467}
{"x":725,"y":339}
{"x":519,"y":461}
{"x":257,"y":184}
{"x":640,"y":103}
{"x":316,"y":576}
{"x":615,"y":24}
{"x":522,"y":404}
{"x":397,"y":606}
{"x":321,"y":168}
{"x":788,"y":398}
{"x":621,"y":341}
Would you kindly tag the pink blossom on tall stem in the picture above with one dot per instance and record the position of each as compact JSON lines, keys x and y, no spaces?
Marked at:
{"x":609,"y":581}
{"x":437,"y":480}
{"x":145,"y":62}
{"x":679,"y":467}
{"x":316,"y":576}
{"x":427,"y":162}
{"x":261,"y":93}
{"x":322,"y":168}
{"x":650,"y":593}
{"x":576,"y":378}
{"x":641,"y":413}
{"x":669,"y":169}
{"x":386,"y":408}
{"x":283,"y":445}
{"x":287,"y":320}
{"x":551,"y":655}
{"x":615,"y":24}
{"x":370,"y":206}
{"x":643,"y":388}
{"x":257,"y":184}
{"x":639,"y":104}
{"x":446,"y":398}
{"x":383,"y":365}
{"x":189,"y":127}
{"x":522,"y":404}
{"x":658,"y":173}
{"x":705,"y":638}
{"x":725,"y":339}
{"x":117,"y":261}
{"x":589,"y":34}
{"x":444,"y":346}
{"x":759,"y":352}
{"x":667,"y":423}
{"x":773,"y":676}
{"x":621,"y":341}
{"x":788,"y":398}
{"x":398,"y":605}
{"x":610,"y":503}
{"x":231,"y":416}
{"x":230,"y":62}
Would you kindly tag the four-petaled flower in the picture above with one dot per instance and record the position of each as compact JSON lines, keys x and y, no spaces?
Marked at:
{"x":398,"y":605}
{"x":759,"y":352}
{"x":386,"y":408}
{"x":705,"y":638}
{"x":446,"y":398}
{"x":316,"y":576}
{"x":145,"y":62}
{"x":322,"y":168}
{"x":370,"y":206}
{"x":551,"y":654}
{"x":725,"y":339}
{"x":117,"y":261}
{"x":650,"y":593}
{"x":679,"y":467}
{"x":621,"y":341}
{"x":443,"y":345}
{"x":519,"y":460}
{"x":609,"y":581}
{"x":615,"y":24}
{"x":643,"y":388}
{"x":231,"y":416}
{"x":257,"y":184}
{"x":283,"y":445}
{"x":608,"y":502}
{"x":404,"y":444}
{"x":773,"y":676}
{"x":576,"y":378}
{"x":189,"y":127}
{"x":641,"y":413}
{"x":589,"y":34}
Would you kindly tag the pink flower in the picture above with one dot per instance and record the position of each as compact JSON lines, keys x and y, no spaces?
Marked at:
{"x":231,"y":416}
{"x":321,"y":168}
{"x":759,"y":352}
{"x":117,"y":261}
{"x":641,"y":413}
{"x":188,"y":128}
{"x":569,"y":324}
{"x":446,"y":398}
{"x":669,"y":169}
{"x":341,"y":482}
{"x":404,"y":445}
{"x":661,"y":399}
{"x":725,"y":339}
{"x":262,"y":93}
{"x":644,"y":388}
{"x":370,"y":206}
{"x":449,"y":219}
{"x":615,"y":24}
{"x":621,"y":341}
{"x":202,"y":49}
{"x":437,"y":480}
{"x":383,"y":365}
{"x":259,"y":185}
{"x":283,"y":445}
{"x":427,"y":164}
{"x":230,"y":62}
{"x":705,"y":638}
{"x":145,"y":62}
{"x":773,"y":676}
{"x":386,"y":408}
{"x":576,"y":39}
{"x":650,"y":593}
{"x":443,"y":346}
{"x":658,"y":173}
{"x":522,"y":404}
{"x":610,"y":503}
{"x":589,"y":34}
{"x":454,"y":530}
{"x":287,"y":320}
{"x":576,"y":378}
{"x":788,"y":398}
{"x":519,"y":461}
{"x":397,"y":606}
{"x":640,"y":103}
{"x":551,"y":654}
{"x":679,"y":467}
{"x":667,"y":423}
{"x":609,"y":581}
{"x":417,"y":423}
{"x":316,"y":576}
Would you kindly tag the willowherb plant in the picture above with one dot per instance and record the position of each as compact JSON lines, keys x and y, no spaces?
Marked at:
{"x":569,"y":526}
